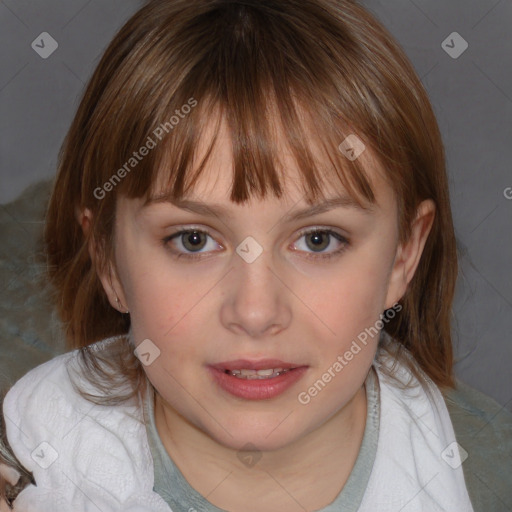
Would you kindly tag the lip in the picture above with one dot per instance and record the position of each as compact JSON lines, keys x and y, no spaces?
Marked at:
{"x":253,"y":364}
{"x":256,"y":389}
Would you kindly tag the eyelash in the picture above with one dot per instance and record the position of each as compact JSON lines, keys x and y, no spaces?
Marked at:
{"x":321,"y":256}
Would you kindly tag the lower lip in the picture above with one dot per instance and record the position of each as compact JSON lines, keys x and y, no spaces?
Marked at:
{"x":257,"y":389}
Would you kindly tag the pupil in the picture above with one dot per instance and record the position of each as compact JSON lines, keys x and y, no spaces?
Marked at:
{"x":192,"y":240}
{"x":318,"y":240}
{"x":194,"y":236}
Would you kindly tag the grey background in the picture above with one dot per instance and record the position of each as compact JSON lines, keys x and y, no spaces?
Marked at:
{"x":471,"y":95}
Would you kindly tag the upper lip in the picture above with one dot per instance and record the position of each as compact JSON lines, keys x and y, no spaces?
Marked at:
{"x":253,"y":364}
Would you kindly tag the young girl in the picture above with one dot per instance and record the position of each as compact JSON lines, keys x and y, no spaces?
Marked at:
{"x":252,"y":247}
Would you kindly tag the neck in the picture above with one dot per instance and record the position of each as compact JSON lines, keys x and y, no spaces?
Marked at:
{"x":310,"y":471}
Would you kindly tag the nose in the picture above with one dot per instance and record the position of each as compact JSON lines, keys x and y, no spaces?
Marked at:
{"x":256,"y":299}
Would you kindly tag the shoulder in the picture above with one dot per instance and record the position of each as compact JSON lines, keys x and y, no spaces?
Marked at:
{"x":51,"y":395}
{"x":61,"y":438}
{"x":48,"y":403}
{"x":483,"y":428}
{"x":38,"y":392}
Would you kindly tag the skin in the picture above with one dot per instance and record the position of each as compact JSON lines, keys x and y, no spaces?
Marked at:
{"x":7,"y":475}
{"x":287,"y":304}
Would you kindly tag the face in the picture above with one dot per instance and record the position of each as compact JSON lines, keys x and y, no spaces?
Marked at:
{"x":255,"y":288}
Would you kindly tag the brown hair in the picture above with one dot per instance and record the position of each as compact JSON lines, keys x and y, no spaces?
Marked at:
{"x":325,"y":64}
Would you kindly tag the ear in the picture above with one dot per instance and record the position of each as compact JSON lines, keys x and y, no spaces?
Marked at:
{"x":408,"y":255}
{"x":105,"y":269}
{"x":84,"y":218}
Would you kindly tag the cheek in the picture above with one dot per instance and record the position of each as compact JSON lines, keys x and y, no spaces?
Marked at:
{"x":353,"y":296}
{"x":160,"y":304}
{"x":155,"y":296}
{"x":163,"y":299}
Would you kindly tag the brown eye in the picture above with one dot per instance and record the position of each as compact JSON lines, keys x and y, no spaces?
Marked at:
{"x":188,"y":243}
{"x":193,"y":240}
{"x":317,"y":240}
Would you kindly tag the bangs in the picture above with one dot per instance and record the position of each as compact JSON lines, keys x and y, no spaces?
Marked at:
{"x":258,"y":145}
{"x":229,"y":70}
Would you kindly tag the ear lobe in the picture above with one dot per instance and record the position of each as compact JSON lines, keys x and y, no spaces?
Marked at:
{"x":116,"y":301}
{"x":112,"y":286}
{"x":409,"y":254}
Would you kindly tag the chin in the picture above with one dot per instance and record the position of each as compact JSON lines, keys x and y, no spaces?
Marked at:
{"x":265,"y":436}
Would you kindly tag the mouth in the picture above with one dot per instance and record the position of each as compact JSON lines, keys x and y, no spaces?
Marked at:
{"x":269,"y":373}
{"x":256,"y":379}
{"x":256,"y":369}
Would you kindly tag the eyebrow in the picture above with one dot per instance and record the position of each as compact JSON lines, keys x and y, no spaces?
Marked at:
{"x":219,"y":211}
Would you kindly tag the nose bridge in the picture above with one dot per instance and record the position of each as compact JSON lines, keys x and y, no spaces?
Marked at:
{"x":254,"y":273}
{"x":255,"y":301}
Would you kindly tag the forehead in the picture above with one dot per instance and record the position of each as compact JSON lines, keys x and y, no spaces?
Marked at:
{"x":215,"y":182}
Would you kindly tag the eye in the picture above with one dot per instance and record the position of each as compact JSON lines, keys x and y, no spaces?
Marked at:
{"x":319,"y":239}
{"x":191,"y":242}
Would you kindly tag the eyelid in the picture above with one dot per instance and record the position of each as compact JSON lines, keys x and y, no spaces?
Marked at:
{"x":331,"y":231}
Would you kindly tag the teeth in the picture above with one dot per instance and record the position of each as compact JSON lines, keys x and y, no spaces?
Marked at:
{"x":257,"y":374}
{"x":266,"y":372}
